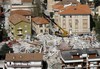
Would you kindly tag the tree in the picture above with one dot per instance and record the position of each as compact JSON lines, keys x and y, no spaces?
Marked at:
{"x":0,"y":34}
{"x":92,"y":23}
{"x":97,"y":3}
{"x":83,"y":1}
{"x":5,"y":49}
{"x":37,"y":9}
{"x":97,"y":28}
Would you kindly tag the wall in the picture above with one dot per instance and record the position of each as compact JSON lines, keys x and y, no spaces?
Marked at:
{"x":26,"y":29}
{"x":77,"y":23}
{"x":38,"y":28}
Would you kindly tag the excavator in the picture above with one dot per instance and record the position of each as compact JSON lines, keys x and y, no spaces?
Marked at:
{"x":61,"y":32}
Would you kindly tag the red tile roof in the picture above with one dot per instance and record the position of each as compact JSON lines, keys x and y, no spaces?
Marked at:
{"x":58,"y":6}
{"x":40,"y":20}
{"x":79,"y":9}
{"x":21,"y":12}
{"x":24,"y":57}
{"x":16,"y":18}
{"x":27,"y":0}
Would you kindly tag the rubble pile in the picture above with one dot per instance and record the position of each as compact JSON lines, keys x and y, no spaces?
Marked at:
{"x":51,"y":45}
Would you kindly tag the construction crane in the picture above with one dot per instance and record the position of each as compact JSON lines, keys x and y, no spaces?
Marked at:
{"x":61,"y":32}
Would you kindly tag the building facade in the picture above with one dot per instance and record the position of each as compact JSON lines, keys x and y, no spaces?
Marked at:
{"x":23,"y":61}
{"x":81,"y":59}
{"x":20,"y":27}
{"x":73,"y":19}
{"x":21,"y":4}
{"x":40,"y":25}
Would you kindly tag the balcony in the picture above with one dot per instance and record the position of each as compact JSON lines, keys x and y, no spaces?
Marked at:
{"x":20,"y":34}
{"x":23,"y":66}
{"x":19,"y":29}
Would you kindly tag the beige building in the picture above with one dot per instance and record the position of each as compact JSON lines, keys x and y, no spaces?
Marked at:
{"x":74,"y":19}
{"x":40,"y":25}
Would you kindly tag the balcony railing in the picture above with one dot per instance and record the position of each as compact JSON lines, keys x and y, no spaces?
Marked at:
{"x":23,"y":66}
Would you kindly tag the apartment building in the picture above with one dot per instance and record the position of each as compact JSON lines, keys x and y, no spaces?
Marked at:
{"x":81,"y":59}
{"x":23,"y":61}
{"x":74,"y":19}
{"x":40,"y":25}
{"x":22,"y":7}
{"x":21,"y":4}
{"x":20,"y":27}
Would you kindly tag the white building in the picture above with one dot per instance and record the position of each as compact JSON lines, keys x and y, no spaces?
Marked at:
{"x":75,"y":19}
{"x":23,"y":61}
{"x":80,"y":59}
{"x":40,"y":25}
{"x":21,"y":4}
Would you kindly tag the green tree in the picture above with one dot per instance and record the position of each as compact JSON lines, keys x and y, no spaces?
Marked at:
{"x":97,"y":3}
{"x":97,"y":28}
{"x":5,"y":49}
{"x":92,"y":23}
{"x":37,"y":9}
{"x":5,"y":34}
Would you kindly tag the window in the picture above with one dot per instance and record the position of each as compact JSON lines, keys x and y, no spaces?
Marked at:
{"x":56,"y":18}
{"x":41,"y":31}
{"x":84,"y":16}
{"x":45,"y":25}
{"x":19,"y":29}
{"x":64,"y":16}
{"x":64,"y":23}
{"x":12,"y":33}
{"x":70,"y":16}
{"x":25,"y":25}
{"x":25,"y":31}
{"x":76,"y":16}
{"x":70,"y":23}
{"x":85,"y":23}
{"x":20,"y":33}
{"x":45,"y":30}
{"x":76,"y":24}
{"x":41,"y":25}
{"x":11,"y":27}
